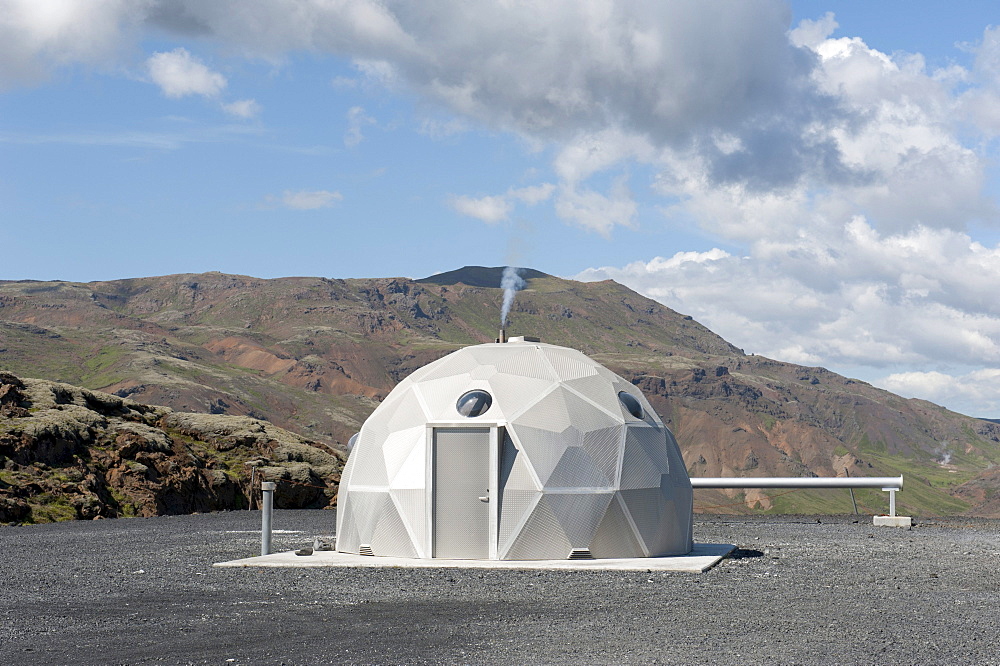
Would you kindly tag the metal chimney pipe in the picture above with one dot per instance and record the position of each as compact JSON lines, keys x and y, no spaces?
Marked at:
{"x":503,"y":335}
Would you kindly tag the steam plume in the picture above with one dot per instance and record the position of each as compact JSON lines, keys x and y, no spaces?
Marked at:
{"x":511,"y":283}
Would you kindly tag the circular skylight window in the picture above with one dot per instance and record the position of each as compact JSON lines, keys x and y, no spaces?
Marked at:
{"x":632,"y":405}
{"x":474,"y":403}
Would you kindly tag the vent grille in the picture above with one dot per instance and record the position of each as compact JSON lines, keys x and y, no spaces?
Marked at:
{"x":366,"y":549}
{"x":581,"y":554}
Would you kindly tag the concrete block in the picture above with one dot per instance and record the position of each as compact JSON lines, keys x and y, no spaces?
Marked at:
{"x":892,"y":521}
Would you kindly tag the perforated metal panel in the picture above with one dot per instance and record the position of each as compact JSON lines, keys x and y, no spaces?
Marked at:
{"x":461,"y":460}
{"x":528,"y":363}
{"x":579,"y":514}
{"x":604,"y":446}
{"x":391,"y":538}
{"x":576,"y":469}
{"x":638,"y":469}
{"x":541,"y":538}
{"x":570,"y":365}
{"x":615,"y":536}
{"x":542,"y":448}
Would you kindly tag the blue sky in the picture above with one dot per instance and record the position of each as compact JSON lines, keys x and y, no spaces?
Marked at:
{"x":815,"y":181}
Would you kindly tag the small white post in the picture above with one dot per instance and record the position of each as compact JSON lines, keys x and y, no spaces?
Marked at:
{"x":267,"y":488}
{"x":892,"y":501}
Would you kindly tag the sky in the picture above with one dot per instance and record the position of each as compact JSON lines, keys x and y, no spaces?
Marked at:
{"x":817,"y":181}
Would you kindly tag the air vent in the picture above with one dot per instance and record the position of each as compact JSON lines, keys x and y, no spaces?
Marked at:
{"x":581,"y":554}
{"x":366,"y":549}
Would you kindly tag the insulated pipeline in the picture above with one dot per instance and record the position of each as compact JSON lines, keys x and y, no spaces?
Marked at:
{"x":881,"y":482}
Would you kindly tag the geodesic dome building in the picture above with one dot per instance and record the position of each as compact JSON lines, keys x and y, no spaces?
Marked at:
{"x":515,"y":451}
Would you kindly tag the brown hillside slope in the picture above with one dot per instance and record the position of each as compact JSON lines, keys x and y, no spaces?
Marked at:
{"x":315,"y":356}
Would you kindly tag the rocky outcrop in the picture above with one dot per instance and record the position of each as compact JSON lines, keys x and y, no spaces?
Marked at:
{"x":67,"y":452}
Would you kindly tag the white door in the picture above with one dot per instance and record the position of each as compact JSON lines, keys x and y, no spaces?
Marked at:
{"x":461,"y":493}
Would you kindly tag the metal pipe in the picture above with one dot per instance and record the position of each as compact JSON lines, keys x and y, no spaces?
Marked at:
{"x":882,"y":482}
{"x":267,"y":489}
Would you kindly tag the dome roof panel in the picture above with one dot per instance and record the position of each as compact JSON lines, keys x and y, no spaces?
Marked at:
{"x":570,"y":364}
{"x":577,"y":469}
{"x":604,"y":446}
{"x":398,"y":447}
{"x":441,"y":395}
{"x":455,"y":363}
{"x":551,"y":412}
{"x":530,"y":362}
{"x":542,"y":449}
{"x":512,"y":395}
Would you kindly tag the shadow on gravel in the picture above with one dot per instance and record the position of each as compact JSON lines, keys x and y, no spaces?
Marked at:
{"x":744,"y":553}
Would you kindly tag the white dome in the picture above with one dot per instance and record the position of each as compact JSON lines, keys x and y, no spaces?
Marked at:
{"x":556,"y":466}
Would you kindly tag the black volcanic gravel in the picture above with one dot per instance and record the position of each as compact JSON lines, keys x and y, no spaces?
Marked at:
{"x":798,"y":591}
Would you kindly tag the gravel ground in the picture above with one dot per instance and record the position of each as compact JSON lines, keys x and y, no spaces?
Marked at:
{"x":143,"y":590}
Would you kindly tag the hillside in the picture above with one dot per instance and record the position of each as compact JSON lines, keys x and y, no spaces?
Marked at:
{"x":314,"y":356}
{"x":68,"y":453}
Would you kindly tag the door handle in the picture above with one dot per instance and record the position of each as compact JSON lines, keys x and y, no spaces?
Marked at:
{"x":485,"y":498}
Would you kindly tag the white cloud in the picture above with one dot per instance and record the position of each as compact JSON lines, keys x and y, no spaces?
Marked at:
{"x":357,"y":120}
{"x":178,"y":74}
{"x":37,"y":36}
{"x":497,"y":208}
{"x":310,"y":199}
{"x":855,"y":298}
{"x":976,"y":393}
{"x":532,"y":195}
{"x":489,"y":209}
{"x":594,"y":211}
{"x":243,"y":108}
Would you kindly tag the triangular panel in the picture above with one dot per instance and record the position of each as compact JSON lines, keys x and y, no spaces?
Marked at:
{"x":604,"y":447}
{"x":515,"y":505}
{"x":654,"y":443}
{"x":366,"y":508}
{"x":541,"y":448}
{"x":412,"y":474}
{"x":412,"y":507}
{"x":569,"y":365}
{"x":528,"y":363}
{"x":638,"y":469}
{"x":646,"y":507}
{"x":369,"y":465}
{"x":391,"y":537}
{"x":441,"y":395}
{"x":550,"y":413}
{"x":405,"y":413}
{"x":615,"y":537}
{"x":456,"y":363}
{"x":541,"y":538}
{"x":586,"y":415}
{"x":514,"y":470}
{"x":576,"y":469}
{"x":512,"y":394}
{"x":579,"y":514}
{"x":398,"y":446}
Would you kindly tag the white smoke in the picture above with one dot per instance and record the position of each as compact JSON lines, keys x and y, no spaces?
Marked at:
{"x":511,"y":283}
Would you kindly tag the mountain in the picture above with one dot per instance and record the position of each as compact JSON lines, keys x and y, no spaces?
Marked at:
{"x":314,"y":356}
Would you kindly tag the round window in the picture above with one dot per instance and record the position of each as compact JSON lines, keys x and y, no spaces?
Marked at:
{"x":474,"y":403}
{"x":631,"y":404}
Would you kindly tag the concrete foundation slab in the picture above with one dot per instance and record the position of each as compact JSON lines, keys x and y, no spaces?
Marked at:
{"x":892,"y":521}
{"x":704,"y":556}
